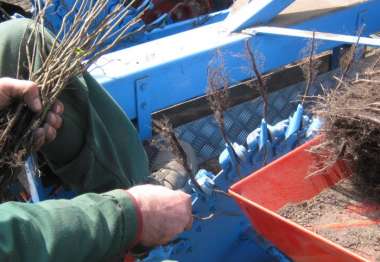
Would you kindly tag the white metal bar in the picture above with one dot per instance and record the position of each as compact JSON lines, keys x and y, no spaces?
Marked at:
{"x":349,"y":39}
{"x":245,"y":13}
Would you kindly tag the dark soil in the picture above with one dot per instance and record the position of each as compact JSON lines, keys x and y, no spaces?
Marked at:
{"x":343,"y":216}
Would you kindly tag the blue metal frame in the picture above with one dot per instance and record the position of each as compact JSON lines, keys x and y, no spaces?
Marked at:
{"x":174,"y":68}
{"x":165,"y":28}
{"x":228,"y":235}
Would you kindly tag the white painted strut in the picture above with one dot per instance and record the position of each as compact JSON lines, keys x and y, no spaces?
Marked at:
{"x":349,"y":39}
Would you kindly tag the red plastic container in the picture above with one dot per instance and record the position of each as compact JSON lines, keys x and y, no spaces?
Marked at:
{"x":284,"y":181}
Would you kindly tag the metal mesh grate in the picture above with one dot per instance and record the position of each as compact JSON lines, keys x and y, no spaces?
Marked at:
{"x":242,"y":119}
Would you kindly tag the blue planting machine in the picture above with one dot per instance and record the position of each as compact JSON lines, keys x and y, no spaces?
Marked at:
{"x":166,"y":64}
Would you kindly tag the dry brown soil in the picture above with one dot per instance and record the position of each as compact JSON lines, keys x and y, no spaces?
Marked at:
{"x":343,"y":216}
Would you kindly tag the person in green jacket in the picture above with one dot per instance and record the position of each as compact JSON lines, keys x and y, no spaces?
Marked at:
{"x":89,"y":144}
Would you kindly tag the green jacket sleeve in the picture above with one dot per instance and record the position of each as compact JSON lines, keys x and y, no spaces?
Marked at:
{"x":91,"y":227}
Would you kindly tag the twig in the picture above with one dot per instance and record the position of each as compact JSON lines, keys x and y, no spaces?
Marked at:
{"x":217,"y":90}
{"x":217,"y":96}
{"x":350,"y":58}
{"x":310,"y":69}
{"x":165,"y":129}
{"x":366,"y":81}
{"x":260,"y":80}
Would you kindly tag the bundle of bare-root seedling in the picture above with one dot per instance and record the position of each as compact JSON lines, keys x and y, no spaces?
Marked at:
{"x":351,"y":115}
{"x":88,"y":31}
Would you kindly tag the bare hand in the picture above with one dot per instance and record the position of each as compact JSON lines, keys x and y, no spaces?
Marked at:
{"x":165,"y":213}
{"x":11,"y":89}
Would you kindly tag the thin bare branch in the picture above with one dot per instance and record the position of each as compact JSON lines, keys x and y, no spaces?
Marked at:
{"x":165,"y":130}
{"x":260,"y":80}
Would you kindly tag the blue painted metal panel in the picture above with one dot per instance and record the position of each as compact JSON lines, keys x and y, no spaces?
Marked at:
{"x":228,"y":235}
{"x":204,"y":135}
{"x":176,"y":66}
{"x":37,"y":192}
{"x":174,"y":28}
{"x":143,"y":102}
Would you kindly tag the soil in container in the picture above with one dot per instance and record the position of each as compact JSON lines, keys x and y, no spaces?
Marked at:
{"x":342,"y":215}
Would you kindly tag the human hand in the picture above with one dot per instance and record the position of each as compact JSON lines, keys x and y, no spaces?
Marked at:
{"x":165,"y":213}
{"x":11,"y":89}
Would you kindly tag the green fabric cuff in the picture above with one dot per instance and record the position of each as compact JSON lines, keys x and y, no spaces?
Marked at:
{"x":132,"y":218}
